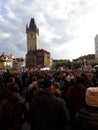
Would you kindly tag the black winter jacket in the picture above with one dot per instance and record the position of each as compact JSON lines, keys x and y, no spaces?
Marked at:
{"x":48,"y":112}
{"x":87,"y":118}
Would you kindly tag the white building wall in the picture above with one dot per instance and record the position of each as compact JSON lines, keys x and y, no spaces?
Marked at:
{"x":96,"y":46}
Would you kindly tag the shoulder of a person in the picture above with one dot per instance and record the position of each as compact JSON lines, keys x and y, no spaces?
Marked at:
{"x":59,"y":99}
{"x":3,"y":104}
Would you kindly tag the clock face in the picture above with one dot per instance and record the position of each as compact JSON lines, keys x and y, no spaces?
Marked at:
{"x":32,"y":35}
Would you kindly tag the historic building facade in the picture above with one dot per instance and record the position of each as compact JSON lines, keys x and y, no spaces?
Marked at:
{"x":96,"y":46}
{"x":6,"y":61}
{"x":9,"y":62}
{"x":35,"y":57}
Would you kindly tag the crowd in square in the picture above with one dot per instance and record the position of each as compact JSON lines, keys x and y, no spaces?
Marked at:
{"x":48,"y":100}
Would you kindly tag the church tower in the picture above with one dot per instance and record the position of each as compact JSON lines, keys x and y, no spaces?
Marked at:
{"x":35,"y":57}
{"x":32,"y":36}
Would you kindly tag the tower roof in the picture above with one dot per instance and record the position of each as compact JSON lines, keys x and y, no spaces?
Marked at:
{"x":32,"y":24}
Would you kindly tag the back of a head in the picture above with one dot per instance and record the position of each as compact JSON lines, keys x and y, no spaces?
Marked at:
{"x":56,"y":85}
{"x":78,"y":79}
{"x":12,"y":87}
{"x":34,"y":79}
{"x":46,"y":83}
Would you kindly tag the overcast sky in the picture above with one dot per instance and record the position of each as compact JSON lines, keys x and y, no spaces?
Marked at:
{"x":67,"y":28}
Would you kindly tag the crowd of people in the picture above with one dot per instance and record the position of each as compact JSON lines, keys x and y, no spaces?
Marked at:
{"x":48,"y":100}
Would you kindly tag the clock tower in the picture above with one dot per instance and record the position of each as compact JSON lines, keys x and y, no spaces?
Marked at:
{"x":35,"y":57}
{"x":32,"y":36}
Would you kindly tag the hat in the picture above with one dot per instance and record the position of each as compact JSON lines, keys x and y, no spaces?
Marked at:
{"x":92,"y":96}
{"x":46,"y":83}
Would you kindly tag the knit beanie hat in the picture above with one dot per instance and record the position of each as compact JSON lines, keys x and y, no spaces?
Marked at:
{"x":92,"y":96}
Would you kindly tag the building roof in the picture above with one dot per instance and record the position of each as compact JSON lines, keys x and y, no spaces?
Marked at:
{"x":19,"y":59}
{"x":4,"y":56}
{"x":86,"y":57}
{"x":32,"y":24}
{"x":42,"y":50}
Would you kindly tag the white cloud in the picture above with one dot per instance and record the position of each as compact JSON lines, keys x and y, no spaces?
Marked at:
{"x":4,"y":35}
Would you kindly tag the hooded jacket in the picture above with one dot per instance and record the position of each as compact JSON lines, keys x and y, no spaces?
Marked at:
{"x":48,"y":112}
{"x":11,"y":110}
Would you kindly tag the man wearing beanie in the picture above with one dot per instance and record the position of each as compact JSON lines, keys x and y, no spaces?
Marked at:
{"x":87,"y":118}
{"x":48,"y":112}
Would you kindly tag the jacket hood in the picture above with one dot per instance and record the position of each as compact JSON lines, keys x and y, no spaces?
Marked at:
{"x":80,"y":86}
{"x":43,"y":98}
{"x":14,"y":97}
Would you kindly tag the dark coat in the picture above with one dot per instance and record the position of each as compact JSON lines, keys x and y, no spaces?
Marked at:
{"x":48,"y":112}
{"x":87,"y":118}
{"x":75,"y":97}
{"x":11,"y":110}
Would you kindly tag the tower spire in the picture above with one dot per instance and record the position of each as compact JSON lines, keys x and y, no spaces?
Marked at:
{"x":32,"y":24}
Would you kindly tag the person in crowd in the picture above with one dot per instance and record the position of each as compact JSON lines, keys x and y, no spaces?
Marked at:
{"x":12,"y":108}
{"x":90,"y":78}
{"x":6,"y":75}
{"x":48,"y":112}
{"x":87,"y":117}
{"x":68,"y":81}
{"x":24,"y":76}
{"x":2,"y":88}
{"x":31,"y":90}
{"x":33,"y":84}
{"x":75,"y":98}
{"x":18,"y":81}
{"x":56,"y":89}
